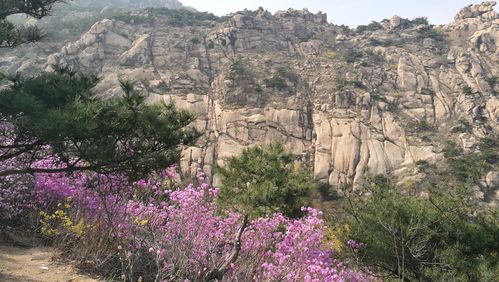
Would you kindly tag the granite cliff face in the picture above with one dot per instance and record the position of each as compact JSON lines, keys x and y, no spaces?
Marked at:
{"x":348,"y":102}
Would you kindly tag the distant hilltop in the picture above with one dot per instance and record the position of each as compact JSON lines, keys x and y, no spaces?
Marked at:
{"x":132,"y":4}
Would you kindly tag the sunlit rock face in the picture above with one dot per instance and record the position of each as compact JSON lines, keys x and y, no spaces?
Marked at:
{"x":345,"y":102}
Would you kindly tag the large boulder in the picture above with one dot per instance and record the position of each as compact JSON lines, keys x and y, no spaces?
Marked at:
{"x":484,"y":10}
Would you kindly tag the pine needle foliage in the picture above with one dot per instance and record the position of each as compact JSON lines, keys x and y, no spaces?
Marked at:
{"x":265,"y":180}
{"x":58,"y":116}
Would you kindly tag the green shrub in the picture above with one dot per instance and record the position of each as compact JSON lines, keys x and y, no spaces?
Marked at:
{"x":345,"y":29}
{"x":182,"y":17}
{"x":423,"y":125}
{"x":419,"y":21}
{"x":416,"y":239}
{"x":467,"y":90}
{"x":352,"y":56}
{"x":463,"y":126}
{"x":129,"y":17}
{"x":12,"y":35}
{"x":469,"y":168}
{"x":236,"y":70}
{"x":278,"y":80}
{"x":195,"y":40}
{"x":489,"y":150}
{"x":422,"y":165}
{"x":446,"y":236}
{"x":327,"y":192}
{"x":357,"y":84}
{"x":31,"y":33}
{"x":264,"y":180}
{"x":373,"y":26}
{"x":258,"y":88}
{"x":376,"y":42}
{"x":431,"y":32}
{"x":492,"y":81}
{"x":305,"y":36}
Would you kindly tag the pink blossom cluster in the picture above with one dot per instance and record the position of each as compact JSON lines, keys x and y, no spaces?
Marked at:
{"x":302,"y":254}
{"x":294,"y":250}
{"x":185,"y":234}
{"x":92,"y":195}
{"x":185,"y":229}
{"x":354,"y":245}
{"x":16,"y":191}
{"x":16,"y":196}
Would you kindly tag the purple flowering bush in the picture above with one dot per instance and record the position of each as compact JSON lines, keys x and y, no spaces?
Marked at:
{"x":16,"y":191}
{"x":157,"y":230}
{"x":16,"y":198}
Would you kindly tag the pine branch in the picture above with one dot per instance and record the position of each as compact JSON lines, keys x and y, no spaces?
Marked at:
{"x":35,"y":8}
{"x":31,"y":170}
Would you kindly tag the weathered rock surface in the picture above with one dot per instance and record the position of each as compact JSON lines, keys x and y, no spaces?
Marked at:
{"x":346,"y":103}
{"x":134,"y":4}
{"x":492,"y":179}
{"x":484,"y":10}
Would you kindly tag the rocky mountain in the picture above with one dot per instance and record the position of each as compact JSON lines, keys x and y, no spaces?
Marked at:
{"x":131,"y":4}
{"x":381,"y":98}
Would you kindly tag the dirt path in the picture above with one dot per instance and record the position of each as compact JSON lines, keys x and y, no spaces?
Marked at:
{"x":35,"y":265}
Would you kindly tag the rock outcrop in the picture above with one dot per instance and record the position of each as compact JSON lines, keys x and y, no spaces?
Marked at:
{"x":133,"y":4}
{"x":484,"y":10}
{"x":347,"y":103}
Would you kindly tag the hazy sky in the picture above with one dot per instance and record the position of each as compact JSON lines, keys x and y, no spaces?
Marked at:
{"x":349,"y":12}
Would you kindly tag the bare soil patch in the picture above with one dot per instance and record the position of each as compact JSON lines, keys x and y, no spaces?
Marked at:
{"x":36,"y":264}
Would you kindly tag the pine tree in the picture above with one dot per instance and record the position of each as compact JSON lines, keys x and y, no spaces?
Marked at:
{"x":264,"y":180}
{"x":12,"y":35}
{"x":57,"y":116}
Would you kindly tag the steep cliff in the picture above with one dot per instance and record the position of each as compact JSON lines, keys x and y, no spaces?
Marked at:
{"x":378,"y":99}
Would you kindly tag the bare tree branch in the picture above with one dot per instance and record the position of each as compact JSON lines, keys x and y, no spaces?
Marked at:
{"x":216,"y":274}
